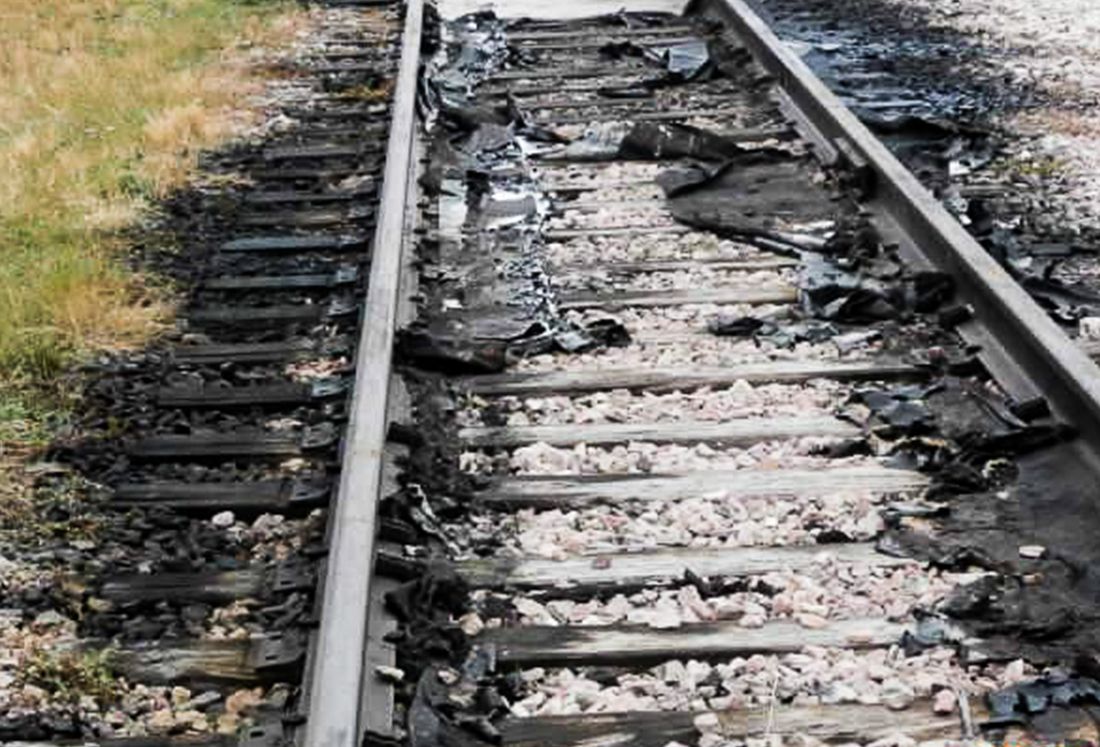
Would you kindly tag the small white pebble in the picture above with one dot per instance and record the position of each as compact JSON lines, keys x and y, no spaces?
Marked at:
{"x":811,"y":621}
{"x":751,"y":621}
{"x":223,"y":520}
{"x":1014,"y":671}
{"x":390,"y":674}
{"x":706,"y":722}
{"x":1088,"y":328}
{"x":944,"y":702}
{"x":471,"y":624}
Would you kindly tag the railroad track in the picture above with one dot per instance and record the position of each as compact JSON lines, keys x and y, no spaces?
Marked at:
{"x":658,"y":404}
{"x":222,"y":449}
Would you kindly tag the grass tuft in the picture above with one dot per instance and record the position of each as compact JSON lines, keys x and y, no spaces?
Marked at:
{"x":104,"y":106}
{"x":68,"y":675}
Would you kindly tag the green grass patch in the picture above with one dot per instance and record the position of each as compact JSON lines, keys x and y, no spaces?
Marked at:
{"x":104,"y":106}
{"x":68,"y":675}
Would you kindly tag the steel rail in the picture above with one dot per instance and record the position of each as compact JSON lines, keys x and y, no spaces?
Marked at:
{"x":337,"y":676}
{"x":1023,"y":347}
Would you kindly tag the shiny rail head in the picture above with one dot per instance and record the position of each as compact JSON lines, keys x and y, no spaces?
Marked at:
{"x":1023,"y":348}
{"x":338,"y":681}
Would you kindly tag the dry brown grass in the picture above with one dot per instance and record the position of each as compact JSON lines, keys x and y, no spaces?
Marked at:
{"x":104,"y":105}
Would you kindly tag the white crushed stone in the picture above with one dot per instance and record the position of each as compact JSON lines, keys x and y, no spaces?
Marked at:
{"x":701,"y":351}
{"x":615,"y":216}
{"x":813,"y":676}
{"x":639,"y":457}
{"x":831,"y":591}
{"x":580,"y":173}
{"x":126,"y":708}
{"x":752,"y":521}
{"x":698,"y":278}
{"x":597,"y":250}
{"x":740,"y":400}
{"x":305,"y":372}
{"x":1054,"y":45}
{"x":894,"y":739}
{"x":643,"y":191}
{"x":230,"y":622}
